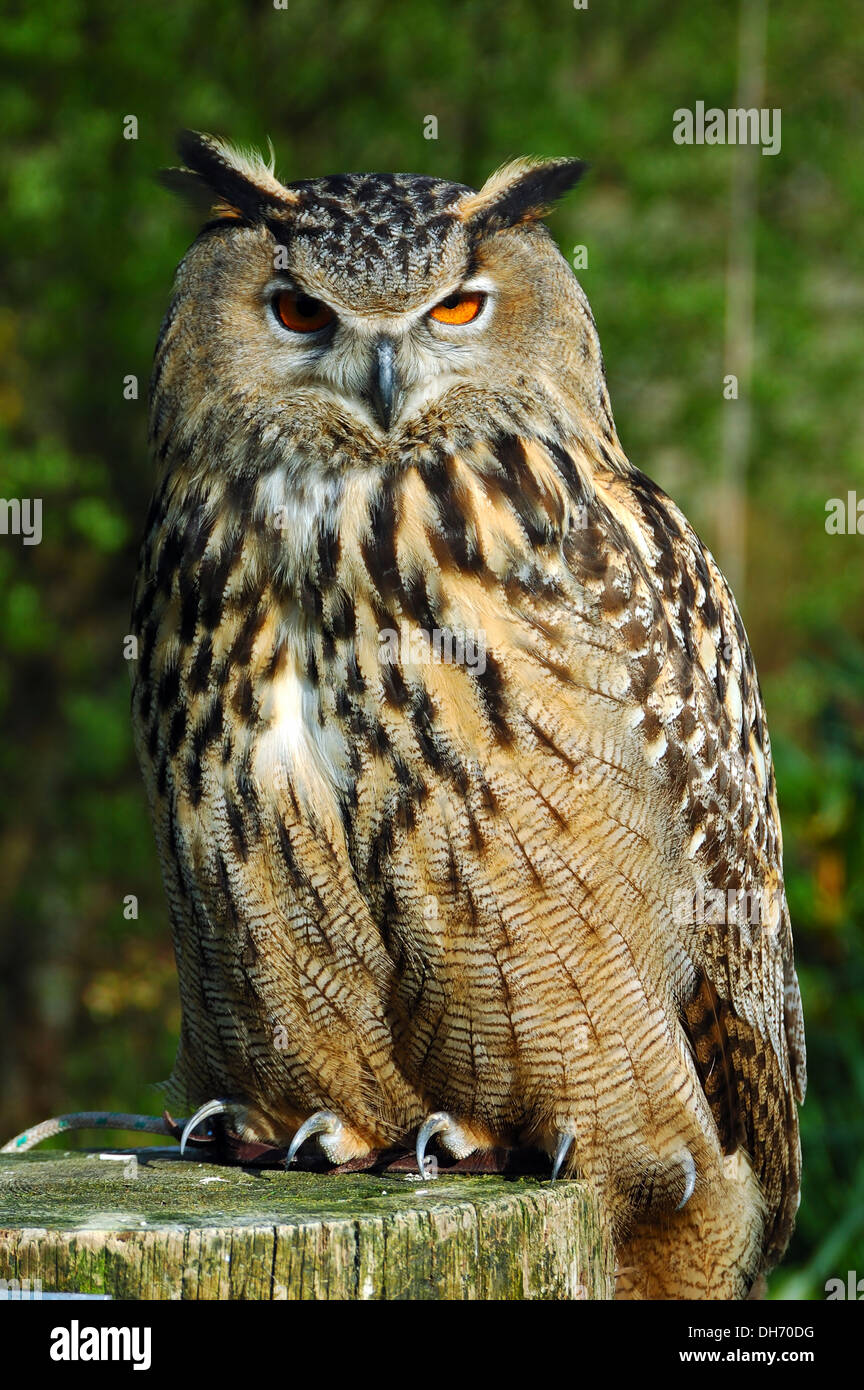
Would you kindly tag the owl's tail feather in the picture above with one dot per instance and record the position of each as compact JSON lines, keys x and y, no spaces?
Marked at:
{"x":86,"y":1119}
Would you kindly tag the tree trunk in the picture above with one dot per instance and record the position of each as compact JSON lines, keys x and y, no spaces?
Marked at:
{"x":146,"y":1225}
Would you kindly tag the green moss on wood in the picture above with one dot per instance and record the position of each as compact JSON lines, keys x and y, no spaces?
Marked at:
{"x":157,"y":1227}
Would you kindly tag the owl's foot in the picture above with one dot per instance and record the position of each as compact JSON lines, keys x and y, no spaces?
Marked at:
{"x":455,"y":1139}
{"x":682,"y":1160}
{"x":338,"y":1140}
{"x":204,"y":1112}
{"x":712,"y":1249}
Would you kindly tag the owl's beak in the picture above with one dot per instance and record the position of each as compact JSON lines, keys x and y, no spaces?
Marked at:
{"x":383,"y":380}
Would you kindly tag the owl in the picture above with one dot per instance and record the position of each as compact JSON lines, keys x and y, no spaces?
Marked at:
{"x":454,"y":747}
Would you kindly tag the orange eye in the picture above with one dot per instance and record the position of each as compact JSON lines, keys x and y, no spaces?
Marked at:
{"x":458,"y":308}
{"x":300,"y":312}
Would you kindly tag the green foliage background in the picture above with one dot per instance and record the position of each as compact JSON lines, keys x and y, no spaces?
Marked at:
{"x":89,"y":1000}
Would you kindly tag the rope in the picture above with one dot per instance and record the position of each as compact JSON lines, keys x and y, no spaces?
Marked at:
{"x":86,"y":1119}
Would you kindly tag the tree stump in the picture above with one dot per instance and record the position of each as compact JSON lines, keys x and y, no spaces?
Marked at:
{"x":144,"y":1224}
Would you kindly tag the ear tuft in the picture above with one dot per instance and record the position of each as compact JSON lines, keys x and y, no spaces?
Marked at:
{"x":244,"y":184}
{"x":522,"y":191}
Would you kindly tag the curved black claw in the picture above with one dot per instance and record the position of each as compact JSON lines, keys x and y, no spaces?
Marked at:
{"x":565,"y":1144}
{"x":322,"y":1122}
{"x":212,"y":1107}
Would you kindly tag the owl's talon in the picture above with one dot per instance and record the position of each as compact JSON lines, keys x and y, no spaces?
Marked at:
{"x":565,"y":1143}
{"x":323,"y":1122}
{"x":435,"y":1123}
{"x":454,"y":1138}
{"x":211,"y":1107}
{"x":685,"y":1158}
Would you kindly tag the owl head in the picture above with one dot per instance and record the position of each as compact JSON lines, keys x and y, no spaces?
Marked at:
{"x":377,"y":298}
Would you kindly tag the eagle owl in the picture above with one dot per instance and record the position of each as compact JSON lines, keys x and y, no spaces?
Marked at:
{"x":454,"y":747}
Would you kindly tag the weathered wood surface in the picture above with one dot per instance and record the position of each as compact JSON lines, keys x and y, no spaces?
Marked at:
{"x":154,"y":1227}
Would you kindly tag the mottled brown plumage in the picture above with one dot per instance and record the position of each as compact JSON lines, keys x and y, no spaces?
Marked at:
{"x":403,"y":885}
